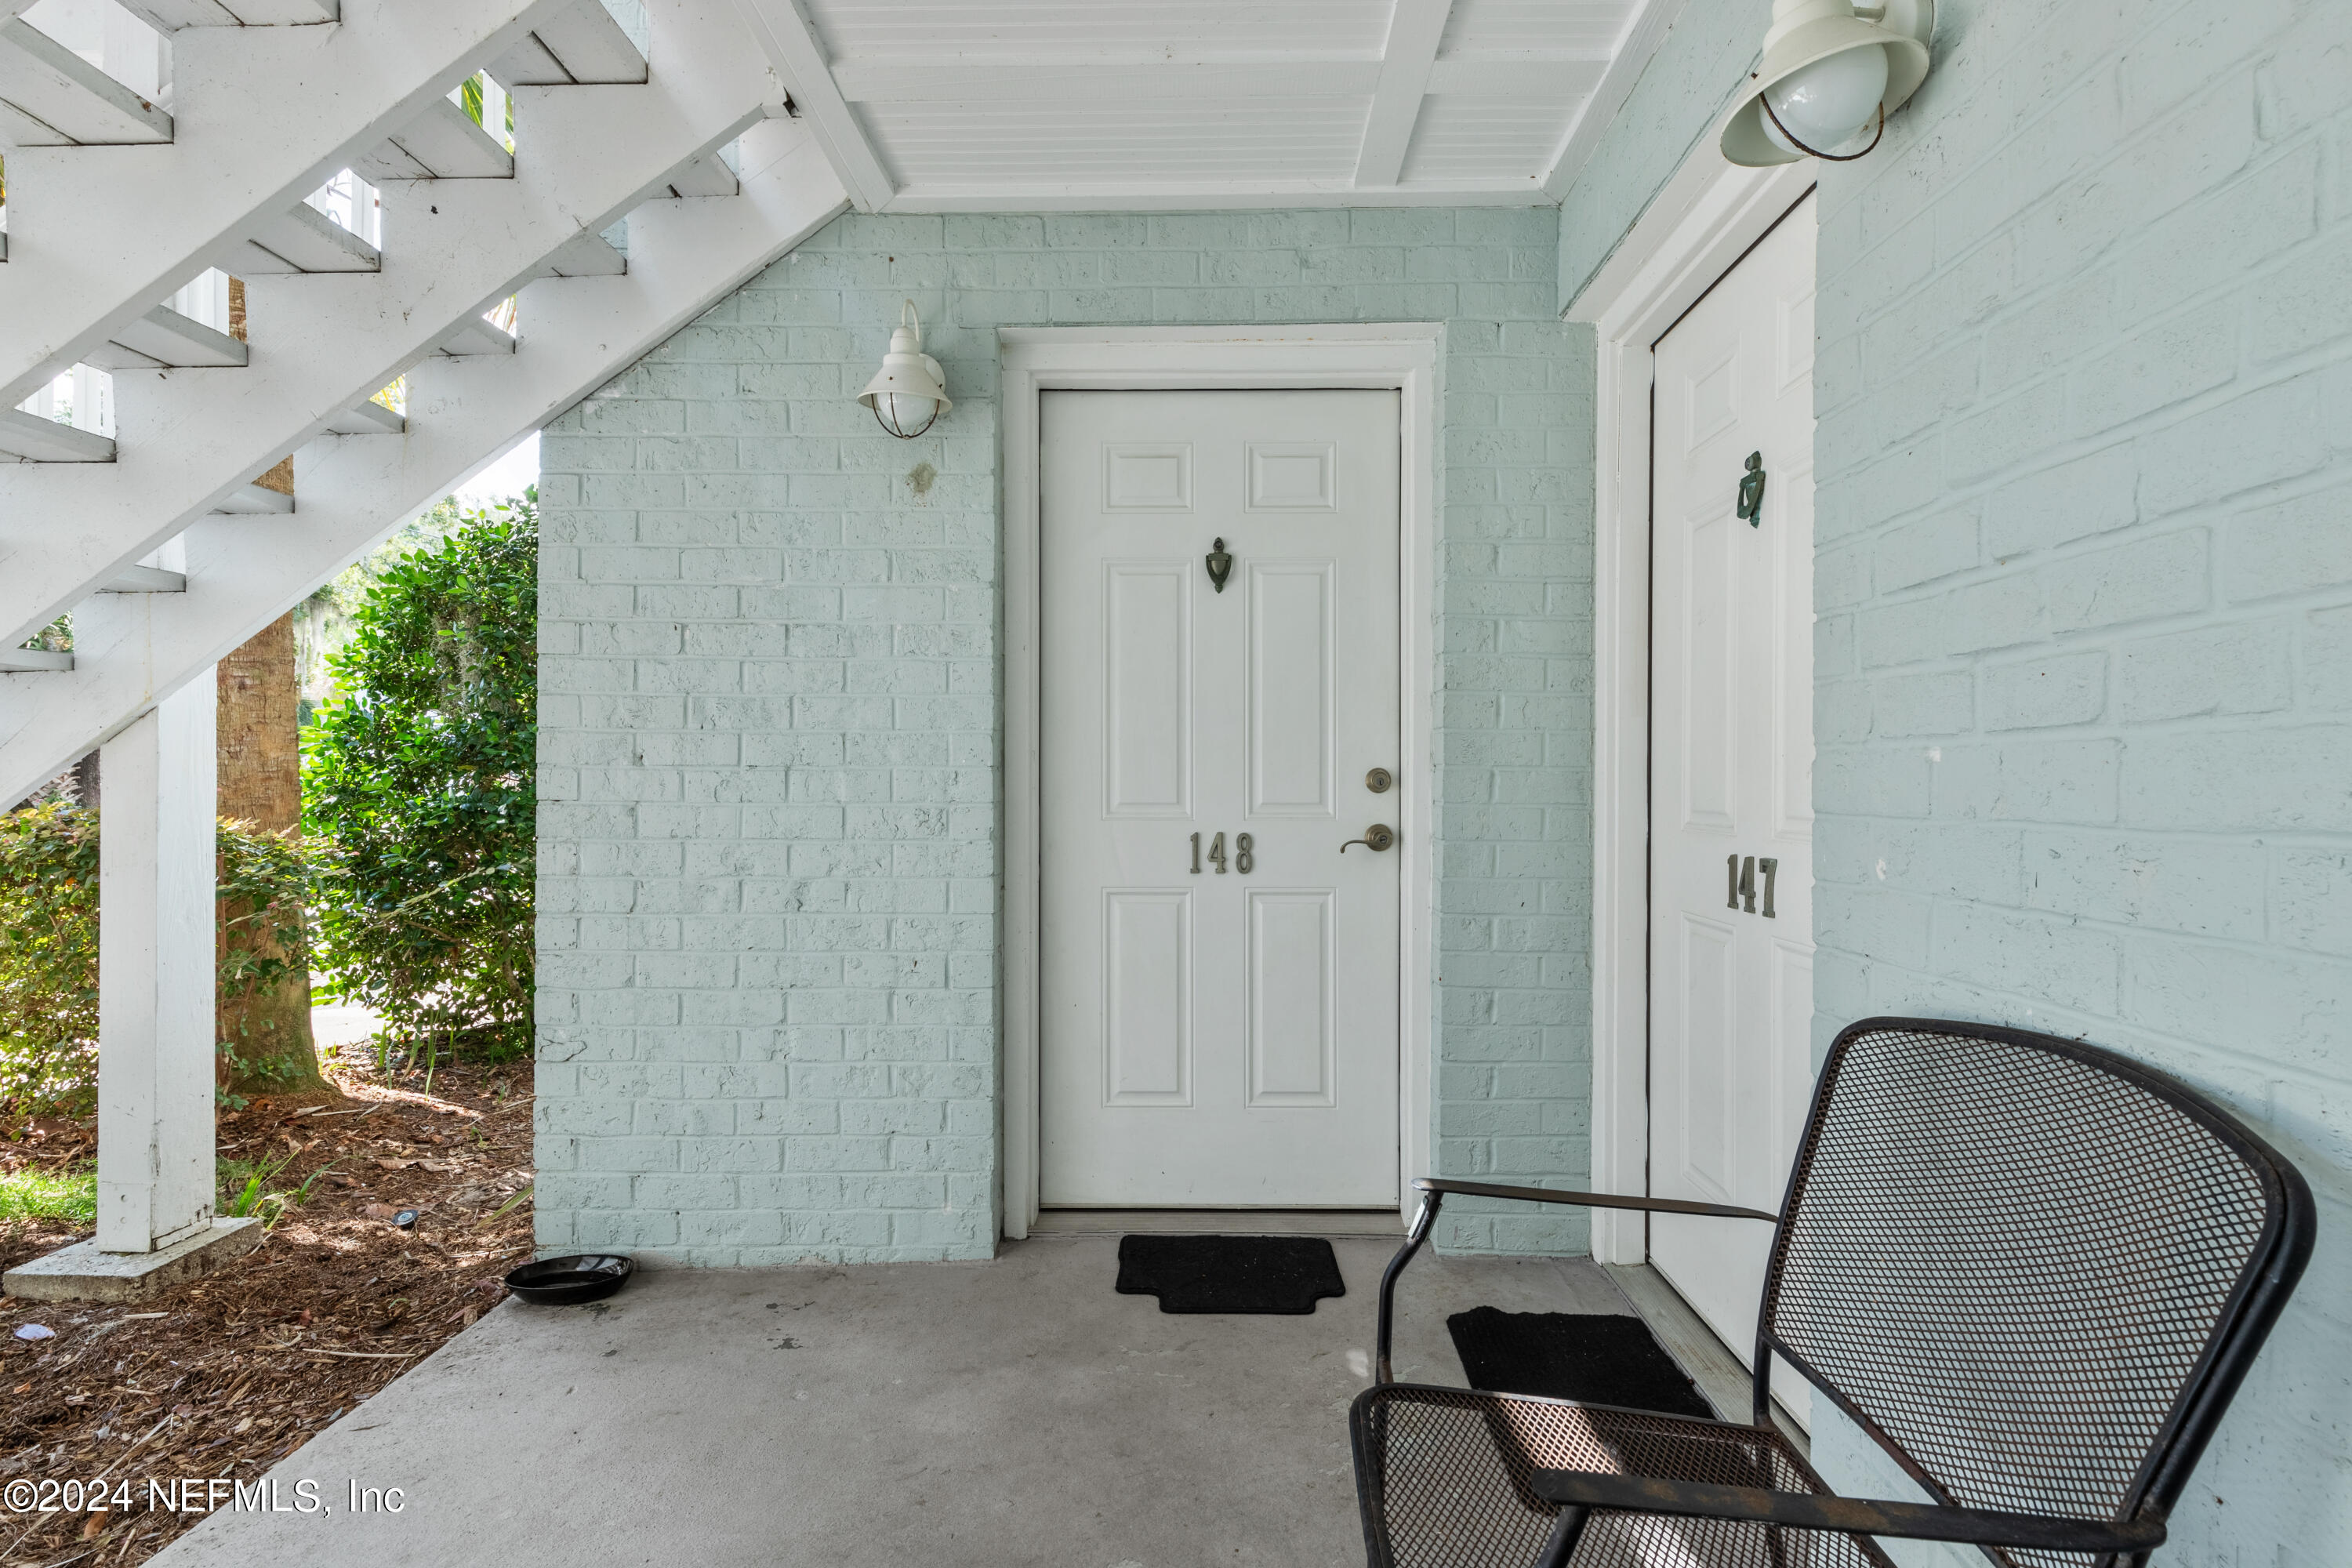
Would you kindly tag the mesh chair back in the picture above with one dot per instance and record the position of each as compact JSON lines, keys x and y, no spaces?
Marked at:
{"x":2032,"y":1269}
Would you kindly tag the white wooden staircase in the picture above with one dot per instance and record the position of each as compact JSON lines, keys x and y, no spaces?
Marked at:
{"x":157,"y":539}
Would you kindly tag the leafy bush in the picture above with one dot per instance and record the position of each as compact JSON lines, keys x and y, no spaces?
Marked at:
{"x":418,"y":789}
{"x":49,"y":966}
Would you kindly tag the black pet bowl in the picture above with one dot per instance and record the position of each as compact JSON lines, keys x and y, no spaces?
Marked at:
{"x":569,"y":1281}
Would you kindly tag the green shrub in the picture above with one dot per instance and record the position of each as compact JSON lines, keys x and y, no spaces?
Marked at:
{"x":48,"y":965}
{"x":418,"y":789}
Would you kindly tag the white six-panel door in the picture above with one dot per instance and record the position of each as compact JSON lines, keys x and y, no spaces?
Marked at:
{"x":1731,"y":773}
{"x":1212,"y":1034}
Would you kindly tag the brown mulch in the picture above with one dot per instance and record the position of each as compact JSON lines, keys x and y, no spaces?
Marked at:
{"x":224,"y":1377}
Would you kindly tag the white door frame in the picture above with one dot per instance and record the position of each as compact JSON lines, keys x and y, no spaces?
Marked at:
{"x":1708,"y":216}
{"x":1034,"y":360}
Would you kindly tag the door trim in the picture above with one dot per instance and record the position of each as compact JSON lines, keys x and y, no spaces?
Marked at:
{"x":1402,"y":358}
{"x":1705,"y":219}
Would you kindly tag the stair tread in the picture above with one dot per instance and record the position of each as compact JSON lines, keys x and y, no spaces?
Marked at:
{"x":256,"y":500}
{"x":171,"y":15}
{"x":166,"y":339}
{"x":33,"y":660}
{"x":56,"y":99}
{"x":584,"y":44}
{"x":584,"y":256}
{"x":706,"y":175}
{"x":367,"y":419}
{"x":476,"y":337}
{"x":442,"y":144}
{"x":307,"y":240}
{"x":30,"y":439}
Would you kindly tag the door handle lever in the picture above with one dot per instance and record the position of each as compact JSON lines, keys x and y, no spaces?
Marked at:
{"x":1377,"y":837}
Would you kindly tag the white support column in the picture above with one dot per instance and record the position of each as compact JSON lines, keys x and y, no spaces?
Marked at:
{"x":155,"y":977}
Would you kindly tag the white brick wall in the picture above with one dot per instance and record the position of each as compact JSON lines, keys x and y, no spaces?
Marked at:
{"x":769,"y":726}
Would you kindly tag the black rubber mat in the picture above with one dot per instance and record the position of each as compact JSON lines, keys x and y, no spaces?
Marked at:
{"x":1598,"y":1358}
{"x":1268,"y":1274}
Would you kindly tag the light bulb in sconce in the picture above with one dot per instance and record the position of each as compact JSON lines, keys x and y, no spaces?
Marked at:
{"x":1828,"y":103}
{"x":910,"y":390}
{"x":1832,"y":72}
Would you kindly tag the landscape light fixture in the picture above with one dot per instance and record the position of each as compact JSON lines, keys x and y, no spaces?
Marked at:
{"x":1832,"y":70}
{"x":911,"y":391}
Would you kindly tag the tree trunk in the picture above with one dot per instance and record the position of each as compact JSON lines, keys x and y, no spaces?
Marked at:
{"x":269,"y":1032}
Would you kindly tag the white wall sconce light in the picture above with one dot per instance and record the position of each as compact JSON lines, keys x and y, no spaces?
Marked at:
{"x":1831,"y":70}
{"x":911,"y":391}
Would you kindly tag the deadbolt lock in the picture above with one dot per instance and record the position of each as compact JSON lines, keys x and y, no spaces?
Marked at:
{"x":1379,"y":780}
{"x":1377,"y":837}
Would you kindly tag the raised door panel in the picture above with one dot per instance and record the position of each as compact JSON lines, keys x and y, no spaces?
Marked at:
{"x":1709,"y":670}
{"x":1292,"y":682}
{"x":1293,"y":983}
{"x":1147,"y":720}
{"x":1706,"y":1070}
{"x":1147,"y":997}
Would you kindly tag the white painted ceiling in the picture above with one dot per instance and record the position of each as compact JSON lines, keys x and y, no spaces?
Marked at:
{"x":980,"y":105}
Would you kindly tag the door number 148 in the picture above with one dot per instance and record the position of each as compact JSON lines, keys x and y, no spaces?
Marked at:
{"x":1244,"y":858}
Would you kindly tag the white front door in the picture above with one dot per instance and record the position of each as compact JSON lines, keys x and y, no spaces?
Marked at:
{"x":1731,"y":772}
{"x":1218,"y":975}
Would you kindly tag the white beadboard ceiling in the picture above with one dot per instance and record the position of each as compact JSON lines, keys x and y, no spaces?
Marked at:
{"x":1108,"y":105}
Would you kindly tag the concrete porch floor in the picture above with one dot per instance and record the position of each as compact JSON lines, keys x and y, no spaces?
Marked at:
{"x":1013,"y":1412}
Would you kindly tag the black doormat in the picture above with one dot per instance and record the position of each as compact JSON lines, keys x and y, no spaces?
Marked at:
{"x":1285,"y":1274}
{"x":1598,"y":1358}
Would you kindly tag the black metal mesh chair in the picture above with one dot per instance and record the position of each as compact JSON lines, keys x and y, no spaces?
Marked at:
{"x":2034,"y":1271}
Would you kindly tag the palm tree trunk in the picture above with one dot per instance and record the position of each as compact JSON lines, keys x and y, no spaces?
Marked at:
{"x":266,"y":1036}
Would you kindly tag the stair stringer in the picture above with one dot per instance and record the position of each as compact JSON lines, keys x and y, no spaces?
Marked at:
{"x":131,"y":649}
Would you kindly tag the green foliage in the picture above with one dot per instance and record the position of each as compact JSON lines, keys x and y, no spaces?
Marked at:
{"x":322,"y":623}
{"x":32,"y":1193}
{"x":249,"y":1188}
{"x":55,"y":637}
{"x":49,"y":966}
{"x":418,"y":786}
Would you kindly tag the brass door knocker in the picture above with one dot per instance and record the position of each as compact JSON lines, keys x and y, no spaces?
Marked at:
{"x":1751,"y":491}
{"x":1221,"y":566}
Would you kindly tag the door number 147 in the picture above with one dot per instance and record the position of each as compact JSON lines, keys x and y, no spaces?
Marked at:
{"x":1739,"y":872}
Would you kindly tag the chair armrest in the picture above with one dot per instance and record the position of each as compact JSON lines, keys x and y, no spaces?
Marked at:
{"x":1441,"y":1184}
{"x":1801,"y":1511}
{"x":1434,"y":1189}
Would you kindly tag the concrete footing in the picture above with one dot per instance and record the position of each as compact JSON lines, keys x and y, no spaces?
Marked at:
{"x":82,"y":1273}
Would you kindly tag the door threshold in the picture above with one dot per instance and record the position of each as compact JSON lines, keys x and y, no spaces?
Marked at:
{"x":1698,"y":1351}
{"x":1386,"y":1222}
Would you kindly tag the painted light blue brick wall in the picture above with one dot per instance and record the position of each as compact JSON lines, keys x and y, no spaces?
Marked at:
{"x":2085,"y":586}
{"x":1709,"y":48}
{"x":770,"y":726}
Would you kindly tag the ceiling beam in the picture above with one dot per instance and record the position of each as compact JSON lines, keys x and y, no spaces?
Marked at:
{"x":791,"y":48}
{"x":1644,"y":33}
{"x":1145,"y":197}
{"x":984,"y":81}
{"x":1415,"y":27}
{"x":1564,"y":75}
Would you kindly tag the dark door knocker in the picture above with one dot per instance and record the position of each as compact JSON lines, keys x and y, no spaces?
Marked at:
{"x":1221,"y":566}
{"x":1751,"y":491}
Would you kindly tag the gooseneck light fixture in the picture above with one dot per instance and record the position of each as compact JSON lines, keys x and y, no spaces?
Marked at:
{"x":911,"y":391}
{"x":1831,"y":71}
